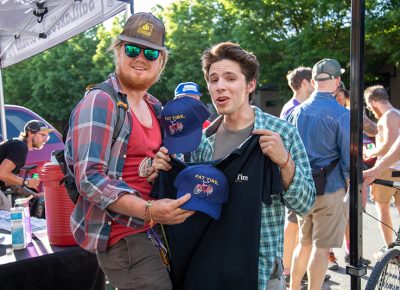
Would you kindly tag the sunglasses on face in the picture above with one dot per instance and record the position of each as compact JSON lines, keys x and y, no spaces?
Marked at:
{"x":132,"y":51}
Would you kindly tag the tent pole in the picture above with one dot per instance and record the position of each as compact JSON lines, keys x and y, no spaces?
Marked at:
{"x":2,"y":109}
{"x":356,"y":270}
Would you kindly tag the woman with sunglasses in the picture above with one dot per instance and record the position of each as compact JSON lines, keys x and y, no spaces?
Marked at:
{"x":114,"y":216}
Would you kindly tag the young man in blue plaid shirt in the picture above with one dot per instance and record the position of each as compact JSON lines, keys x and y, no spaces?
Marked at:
{"x":231,"y":74}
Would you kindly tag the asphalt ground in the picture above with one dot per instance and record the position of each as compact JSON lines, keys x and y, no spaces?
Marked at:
{"x":372,"y":241}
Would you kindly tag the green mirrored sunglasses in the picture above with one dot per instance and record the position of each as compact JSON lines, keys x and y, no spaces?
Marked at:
{"x":132,"y":51}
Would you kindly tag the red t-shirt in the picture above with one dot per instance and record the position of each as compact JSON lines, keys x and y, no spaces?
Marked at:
{"x":143,"y":144}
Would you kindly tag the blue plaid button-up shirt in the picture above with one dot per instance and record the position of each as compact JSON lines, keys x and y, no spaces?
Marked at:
{"x":299,"y":197}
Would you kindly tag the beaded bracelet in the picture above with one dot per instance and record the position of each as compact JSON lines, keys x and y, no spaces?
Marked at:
{"x":286,"y":163}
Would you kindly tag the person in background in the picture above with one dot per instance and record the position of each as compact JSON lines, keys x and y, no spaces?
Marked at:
{"x":343,"y":97}
{"x":324,"y":127}
{"x":377,"y":101}
{"x":114,"y":216}
{"x":13,"y":153}
{"x":299,"y":80}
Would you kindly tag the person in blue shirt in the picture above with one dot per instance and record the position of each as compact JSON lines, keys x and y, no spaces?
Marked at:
{"x":324,"y":127}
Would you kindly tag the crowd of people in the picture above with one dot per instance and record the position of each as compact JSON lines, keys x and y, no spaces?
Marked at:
{"x":289,"y":203}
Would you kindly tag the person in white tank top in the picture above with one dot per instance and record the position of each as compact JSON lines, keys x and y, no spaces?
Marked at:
{"x":377,"y":101}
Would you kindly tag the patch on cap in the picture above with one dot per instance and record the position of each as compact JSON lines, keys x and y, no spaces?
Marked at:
{"x":145,"y":28}
{"x":208,"y":187}
{"x":182,"y":120}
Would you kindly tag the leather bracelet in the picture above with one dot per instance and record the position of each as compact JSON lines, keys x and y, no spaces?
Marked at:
{"x":286,"y":163}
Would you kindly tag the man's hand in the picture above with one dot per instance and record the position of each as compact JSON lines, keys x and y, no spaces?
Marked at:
{"x":368,"y":154}
{"x":271,"y":145}
{"x":370,"y":175}
{"x":167,"y":211}
{"x":161,"y":160}
{"x":34,"y":183}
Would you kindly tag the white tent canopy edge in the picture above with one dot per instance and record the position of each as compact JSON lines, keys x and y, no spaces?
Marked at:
{"x":23,"y":36}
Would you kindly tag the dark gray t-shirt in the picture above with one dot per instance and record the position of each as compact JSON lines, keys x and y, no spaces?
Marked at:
{"x":226,"y":141}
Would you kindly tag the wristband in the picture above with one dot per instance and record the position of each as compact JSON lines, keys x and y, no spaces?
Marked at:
{"x":286,"y":163}
{"x":148,"y":218}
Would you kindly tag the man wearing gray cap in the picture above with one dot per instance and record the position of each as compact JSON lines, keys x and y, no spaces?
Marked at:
{"x":324,"y":127}
{"x":114,"y":216}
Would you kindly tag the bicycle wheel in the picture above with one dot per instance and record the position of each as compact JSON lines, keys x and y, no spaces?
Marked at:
{"x":386,"y":272}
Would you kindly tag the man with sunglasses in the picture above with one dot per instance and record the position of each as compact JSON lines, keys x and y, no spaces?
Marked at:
{"x":377,"y":101}
{"x":13,"y":153}
{"x":114,"y":215}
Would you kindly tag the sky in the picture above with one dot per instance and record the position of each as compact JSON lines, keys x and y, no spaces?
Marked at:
{"x":146,"y":5}
{"x":142,"y":6}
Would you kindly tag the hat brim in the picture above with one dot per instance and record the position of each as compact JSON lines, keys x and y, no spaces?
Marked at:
{"x":141,"y":42}
{"x":211,"y":208}
{"x":188,"y":94}
{"x":46,"y":130}
{"x":183,"y":144}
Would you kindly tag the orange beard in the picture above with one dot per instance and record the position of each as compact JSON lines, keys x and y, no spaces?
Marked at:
{"x":133,"y":84}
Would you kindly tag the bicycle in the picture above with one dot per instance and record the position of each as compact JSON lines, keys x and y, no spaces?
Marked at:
{"x":386,"y":272}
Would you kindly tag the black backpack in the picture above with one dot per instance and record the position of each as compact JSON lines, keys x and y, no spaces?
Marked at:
{"x":69,"y":178}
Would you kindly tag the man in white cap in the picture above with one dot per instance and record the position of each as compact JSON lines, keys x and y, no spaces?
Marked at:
{"x":324,"y":127}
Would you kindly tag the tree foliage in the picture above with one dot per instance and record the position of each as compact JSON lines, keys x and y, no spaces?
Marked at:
{"x":283,"y":34}
{"x":52,"y":82}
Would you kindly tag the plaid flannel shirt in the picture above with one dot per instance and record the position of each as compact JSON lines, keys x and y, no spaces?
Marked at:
{"x":98,"y":166}
{"x":299,"y":197}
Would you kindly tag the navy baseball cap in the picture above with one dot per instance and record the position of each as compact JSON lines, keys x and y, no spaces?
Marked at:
{"x":208,"y":187}
{"x":35,"y":126}
{"x":182,"y":120}
{"x":188,"y":88}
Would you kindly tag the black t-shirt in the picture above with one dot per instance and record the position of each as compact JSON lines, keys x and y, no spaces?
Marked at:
{"x":223,"y":254}
{"x":16,"y":151}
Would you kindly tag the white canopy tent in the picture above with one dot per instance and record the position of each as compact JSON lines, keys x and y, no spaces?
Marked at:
{"x":28,"y":27}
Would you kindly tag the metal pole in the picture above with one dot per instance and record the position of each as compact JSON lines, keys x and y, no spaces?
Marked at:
{"x":356,"y":270}
{"x":2,"y":109}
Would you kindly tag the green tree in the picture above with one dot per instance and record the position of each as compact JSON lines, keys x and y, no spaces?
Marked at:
{"x":283,"y":34}
{"x":53,"y":82}
{"x":191,"y":27}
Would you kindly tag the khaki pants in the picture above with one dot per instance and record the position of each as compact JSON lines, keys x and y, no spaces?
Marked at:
{"x":135,"y":263}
